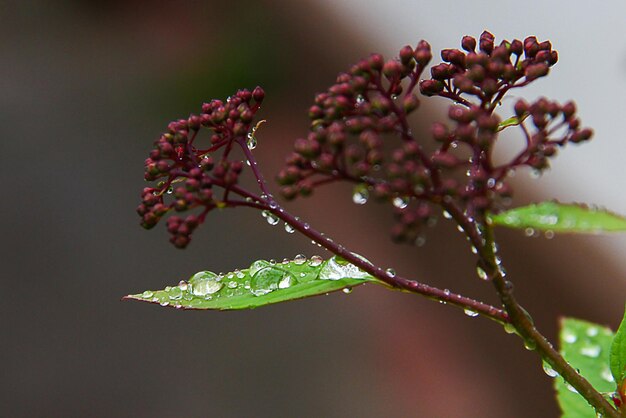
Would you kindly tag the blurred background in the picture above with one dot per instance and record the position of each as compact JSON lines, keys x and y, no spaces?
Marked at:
{"x":87,"y":86}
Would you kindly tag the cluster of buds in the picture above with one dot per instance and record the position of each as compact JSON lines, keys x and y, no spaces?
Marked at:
{"x":190,"y":173}
{"x":366,"y":111}
{"x":490,"y":72}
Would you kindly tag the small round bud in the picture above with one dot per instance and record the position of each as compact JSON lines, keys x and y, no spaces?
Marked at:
{"x":392,"y":69}
{"x":258,"y":94}
{"x":406,"y":54}
{"x":468,"y":43}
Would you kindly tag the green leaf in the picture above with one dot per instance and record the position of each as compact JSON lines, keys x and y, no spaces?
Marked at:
{"x":618,"y":353}
{"x":586,"y":347}
{"x":512,"y":121}
{"x":263,"y":283}
{"x":559,"y":217}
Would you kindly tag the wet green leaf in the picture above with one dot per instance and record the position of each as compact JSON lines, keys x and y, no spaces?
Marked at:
{"x":559,"y":217}
{"x":586,"y":347}
{"x":263,"y":283}
{"x":618,"y":352}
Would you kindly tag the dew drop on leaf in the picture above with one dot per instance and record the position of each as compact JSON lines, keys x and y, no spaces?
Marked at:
{"x":315,"y":261}
{"x":592,"y":351}
{"x":175,"y":293}
{"x":147,"y":294}
{"x":299,"y":259}
{"x":569,"y":336}
{"x":205,"y":283}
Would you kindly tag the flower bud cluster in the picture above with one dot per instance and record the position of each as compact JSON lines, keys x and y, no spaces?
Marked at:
{"x":353,"y":118}
{"x":187,"y":174}
{"x":353,"y":121}
{"x":490,"y":71}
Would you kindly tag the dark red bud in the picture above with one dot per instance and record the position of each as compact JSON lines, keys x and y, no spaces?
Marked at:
{"x":468,"y":43}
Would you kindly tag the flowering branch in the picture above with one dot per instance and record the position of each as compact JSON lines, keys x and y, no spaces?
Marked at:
{"x":365,"y":112}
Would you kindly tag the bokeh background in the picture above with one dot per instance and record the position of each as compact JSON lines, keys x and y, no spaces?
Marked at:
{"x":85,"y":88}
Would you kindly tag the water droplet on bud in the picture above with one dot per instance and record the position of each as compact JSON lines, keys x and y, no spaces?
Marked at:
{"x":390,"y":272}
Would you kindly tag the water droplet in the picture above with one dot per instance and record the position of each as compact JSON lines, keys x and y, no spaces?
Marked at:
{"x":569,"y":336}
{"x":529,"y":345}
{"x":549,"y":234}
{"x":482,"y":274}
{"x":400,"y":202}
{"x":390,"y":272}
{"x":571,"y":388}
{"x":420,"y":240}
{"x":336,"y":270}
{"x":491,"y":182}
{"x":529,"y":232}
{"x":183,"y":285}
{"x":592,"y":351}
{"x":606,"y":375}
{"x":315,"y":261}
{"x":474,"y":250}
{"x":299,"y":259}
{"x":447,"y":215}
{"x":175,"y":293}
{"x":549,"y":370}
{"x":306,"y":226}
{"x":270,"y":217}
{"x":359,"y":100}
{"x":170,"y":190}
{"x":592,"y":331}
{"x":289,"y":229}
{"x":360,"y":195}
{"x":509,"y":328}
{"x":347,"y":290}
{"x":394,"y":96}
{"x":232,"y":284}
{"x":470,"y":313}
{"x":205,"y":283}
{"x":270,"y":278}
{"x":147,"y":294}
{"x":164,"y":303}
{"x":287,"y":281}
{"x":251,"y":142}
{"x":239,"y":274}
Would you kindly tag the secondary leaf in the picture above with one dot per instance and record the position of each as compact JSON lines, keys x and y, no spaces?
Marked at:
{"x":618,"y":352}
{"x":512,"y":121}
{"x":261,"y":284}
{"x":586,"y":347}
{"x":559,"y":217}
